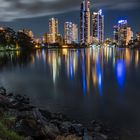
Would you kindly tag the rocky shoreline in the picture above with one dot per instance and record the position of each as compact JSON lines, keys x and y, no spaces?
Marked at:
{"x":33,"y":123}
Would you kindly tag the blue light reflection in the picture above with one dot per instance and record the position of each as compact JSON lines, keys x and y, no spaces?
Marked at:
{"x":120,"y":72}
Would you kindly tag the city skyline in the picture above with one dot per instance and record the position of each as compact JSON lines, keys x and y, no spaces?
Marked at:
{"x":42,"y":22}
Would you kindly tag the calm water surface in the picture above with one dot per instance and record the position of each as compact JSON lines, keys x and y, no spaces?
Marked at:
{"x":86,"y":84}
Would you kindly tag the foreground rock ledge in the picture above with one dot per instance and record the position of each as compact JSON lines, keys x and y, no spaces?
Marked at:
{"x":36,"y":124}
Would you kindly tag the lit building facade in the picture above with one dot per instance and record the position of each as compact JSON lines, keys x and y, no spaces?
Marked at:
{"x":47,"y":39}
{"x":129,"y":35}
{"x":70,"y":33}
{"x":115,"y":34}
{"x":53,"y":30}
{"x":85,"y":22}
{"x":122,"y":33}
{"x":138,"y":36}
{"x":98,"y":26}
{"x":75,"y":33}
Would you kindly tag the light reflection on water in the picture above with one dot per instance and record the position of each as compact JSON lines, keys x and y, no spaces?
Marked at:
{"x":84,"y":83}
{"x":90,"y":63}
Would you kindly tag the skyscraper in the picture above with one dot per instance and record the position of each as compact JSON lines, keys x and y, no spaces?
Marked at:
{"x":85,"y":22}
{"x":115,"y":34}
{"x":75,"y":33}
{"x":129,"y":35}
{"x":138,"y":36}
{"x":122,"y":33}
{"x":98,"y":26}
{"x":53,"y":29}
{"x":70,"y":33}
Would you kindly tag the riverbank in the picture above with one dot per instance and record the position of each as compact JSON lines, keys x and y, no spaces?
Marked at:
{"x":23,"y":121}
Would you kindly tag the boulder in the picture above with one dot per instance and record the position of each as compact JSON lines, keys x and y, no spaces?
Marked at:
{"x":51,"y":131}
{"x":69,"y":137}
{"x":2,"y":91}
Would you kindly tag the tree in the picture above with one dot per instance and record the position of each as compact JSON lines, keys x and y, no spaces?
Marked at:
{"x":24,"y":41}
{"x":7,"y":37}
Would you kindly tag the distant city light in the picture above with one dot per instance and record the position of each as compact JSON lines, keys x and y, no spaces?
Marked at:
{"x":122,"y":21}
{"x":100,"y":12}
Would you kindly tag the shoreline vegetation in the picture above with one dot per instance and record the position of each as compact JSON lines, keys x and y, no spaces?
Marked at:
{"x":49,"y":47}
{"x":20,"y":120}
{"x":21,"y":40}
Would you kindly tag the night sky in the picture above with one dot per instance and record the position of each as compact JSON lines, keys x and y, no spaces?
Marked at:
{"x":34,"y":14}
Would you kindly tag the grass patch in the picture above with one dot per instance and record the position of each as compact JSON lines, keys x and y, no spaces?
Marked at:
{"x":8,"y":134}
{"x":6,"y":122}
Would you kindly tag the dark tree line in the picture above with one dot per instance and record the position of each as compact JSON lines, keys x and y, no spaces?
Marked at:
{"x":9,"y":39}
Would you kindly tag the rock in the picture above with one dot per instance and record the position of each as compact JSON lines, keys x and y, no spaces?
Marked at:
{"x":65,"y":127}
{"x":104,"y":136}
{"x":24,"y":115}
{"x":86,"y":135}
{"x":69,"y":137}
{"x":29,"y":138}
{"x":98,"y":138}
{"x":12,"y":100}
{"x":46,"y":114}
{"x":93,"y":122}
{"x":97,"y":128}
{"x":10,"y":95}
{"x":2,"y":91}
{"x":78,"y":128}
{"x":28,"y":127}
{"x":4,"y":103}
{"x":56,"y":122}
{"x":51,"y":131}
{"x":21,"y":107}
{"x":22,"y":99}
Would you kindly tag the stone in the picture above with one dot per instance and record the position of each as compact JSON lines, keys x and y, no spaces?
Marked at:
{"x":29,"y":138}
{"x":65,"y":127}
{"x":86,"y":135}
{"x":93,"y":122}
{"x":10,"y":95}
{"x":69,"y":137}
{"x":97,"y":128}
{"x":2,"y":91}
{"x":51,"y":131}
{"x":78,"y":128}
{"x":56,"y":123}
{"x":104,"y":136}
{"x":28,"y":127}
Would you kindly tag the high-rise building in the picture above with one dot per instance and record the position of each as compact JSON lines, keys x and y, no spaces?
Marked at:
{"x":115,"y":33}
{"x":137,"y":40}
{"x":129,"y":35}
{"x":98,"y":26}
{"x":47,"y":39}
{"x":53,"y":29}
{"x":122,"y":33}
{"x":70,"y":33}
{"x":125,"y":33}
{"x":85,"y":22}
{"x":138,"y":36}
{"x":75,"y":33}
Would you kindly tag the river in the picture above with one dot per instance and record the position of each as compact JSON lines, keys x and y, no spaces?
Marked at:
{"x":85,"y":84}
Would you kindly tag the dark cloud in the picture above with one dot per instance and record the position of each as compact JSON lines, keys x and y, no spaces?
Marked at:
{"x":16,"y":9}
